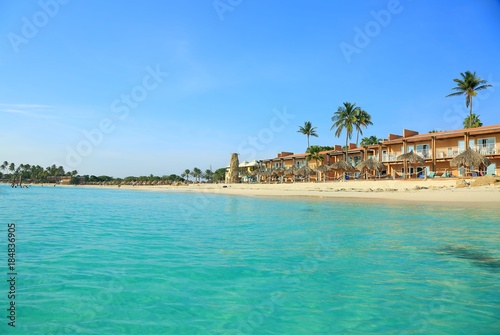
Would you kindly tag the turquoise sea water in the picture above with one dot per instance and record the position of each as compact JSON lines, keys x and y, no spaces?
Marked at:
{"x":100,"y":261}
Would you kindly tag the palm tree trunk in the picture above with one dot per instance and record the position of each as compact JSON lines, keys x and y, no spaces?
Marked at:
{"x":346,"y":150}
{"x":470,"y":118}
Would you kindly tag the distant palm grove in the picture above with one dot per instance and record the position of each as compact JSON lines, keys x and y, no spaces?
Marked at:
{"x":26,"y":173}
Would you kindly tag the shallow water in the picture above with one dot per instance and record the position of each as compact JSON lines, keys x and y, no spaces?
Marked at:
{"x":101,"y":261}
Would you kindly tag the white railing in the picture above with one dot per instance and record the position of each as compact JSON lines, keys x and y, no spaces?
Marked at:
{"x":450,"y":152}
{"x":488,"y":149}
{"x":390,"y":157}
{"x":447,"y":152}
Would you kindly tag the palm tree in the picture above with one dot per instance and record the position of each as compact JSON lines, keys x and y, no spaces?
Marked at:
{"x":209,"y":175}
{"x":472,"y":121}
{"x":197,"y":174}
{"x":345,"y":119}
{"x":314,"y":154}
{"x":4,"y":165}
{"x":366,"y":141}
{"x":468,"y":86}
{"x":186,"y":174}
{"x":12,"y":167}
{"x":308,"y":130}
{"x":363,"y":119}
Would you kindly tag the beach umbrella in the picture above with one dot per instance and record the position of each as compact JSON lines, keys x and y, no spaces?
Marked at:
{"x":342,"y":166}
{"x":290,"y":171}
{"x":410,"y":157}
{"x":323,"y":168}
{"x":304,"y":171}
{"x":258,"y":172}
{"x":470,"y":158}
{"x":370,"y":164}
{"x":279,"y":171}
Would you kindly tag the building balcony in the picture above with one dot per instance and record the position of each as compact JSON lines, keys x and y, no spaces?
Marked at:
{"x":450,"y":152}
{"x":390,"y":157}
{"x":488,"y":149}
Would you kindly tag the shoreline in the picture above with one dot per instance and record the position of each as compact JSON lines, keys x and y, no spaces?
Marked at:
{"x":437,"y":191}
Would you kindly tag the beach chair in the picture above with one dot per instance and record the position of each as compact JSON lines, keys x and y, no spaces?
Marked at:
{"x":431,"y":174}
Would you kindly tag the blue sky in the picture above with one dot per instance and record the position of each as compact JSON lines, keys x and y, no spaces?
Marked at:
{"x":134,"y":88}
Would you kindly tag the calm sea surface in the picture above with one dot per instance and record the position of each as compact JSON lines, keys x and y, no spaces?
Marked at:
{"x":101,"y":261}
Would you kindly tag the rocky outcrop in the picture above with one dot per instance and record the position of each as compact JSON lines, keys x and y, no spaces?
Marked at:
{"x":233,"y":169}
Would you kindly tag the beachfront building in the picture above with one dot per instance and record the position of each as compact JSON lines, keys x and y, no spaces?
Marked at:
{"x":436,"y":150}
{"x":285,"y":167}
{"x":439,"y":148}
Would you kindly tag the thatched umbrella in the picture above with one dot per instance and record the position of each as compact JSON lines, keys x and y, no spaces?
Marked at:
{"x":342,"y":166}
{"x":266,"y":173}
{"x":279,"y":172}
{"x":290,"y":172}
{"x":470,"y":158}
{"x":370,"y":164}
{"x":304,"y":171}
{"x":410,"y":157}
{"x":323,"y":168}
{"x":234,"y":165}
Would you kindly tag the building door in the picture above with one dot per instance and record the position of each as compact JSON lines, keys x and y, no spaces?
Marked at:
{"x":421,"y":171}
{"x":492,"y":168}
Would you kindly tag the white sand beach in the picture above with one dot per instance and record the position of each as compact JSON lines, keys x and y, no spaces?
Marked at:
{"x":430,"y":190}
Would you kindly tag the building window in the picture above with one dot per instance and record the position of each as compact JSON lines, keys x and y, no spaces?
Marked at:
{"x":486,"y":146}
{"x":423,"y":150}
{"x":461,"y":145}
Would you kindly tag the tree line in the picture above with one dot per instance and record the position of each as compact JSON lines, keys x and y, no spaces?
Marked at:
{"x":16,"y":175}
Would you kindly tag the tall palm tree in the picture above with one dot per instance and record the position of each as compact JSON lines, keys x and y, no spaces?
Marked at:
{"x":308,"y":130}
{"x":12,"y":167}
{"x":4,"y":165}
{"x":363,"y":119}
{"x":345,"y":119}
{"x":468,"y":85}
